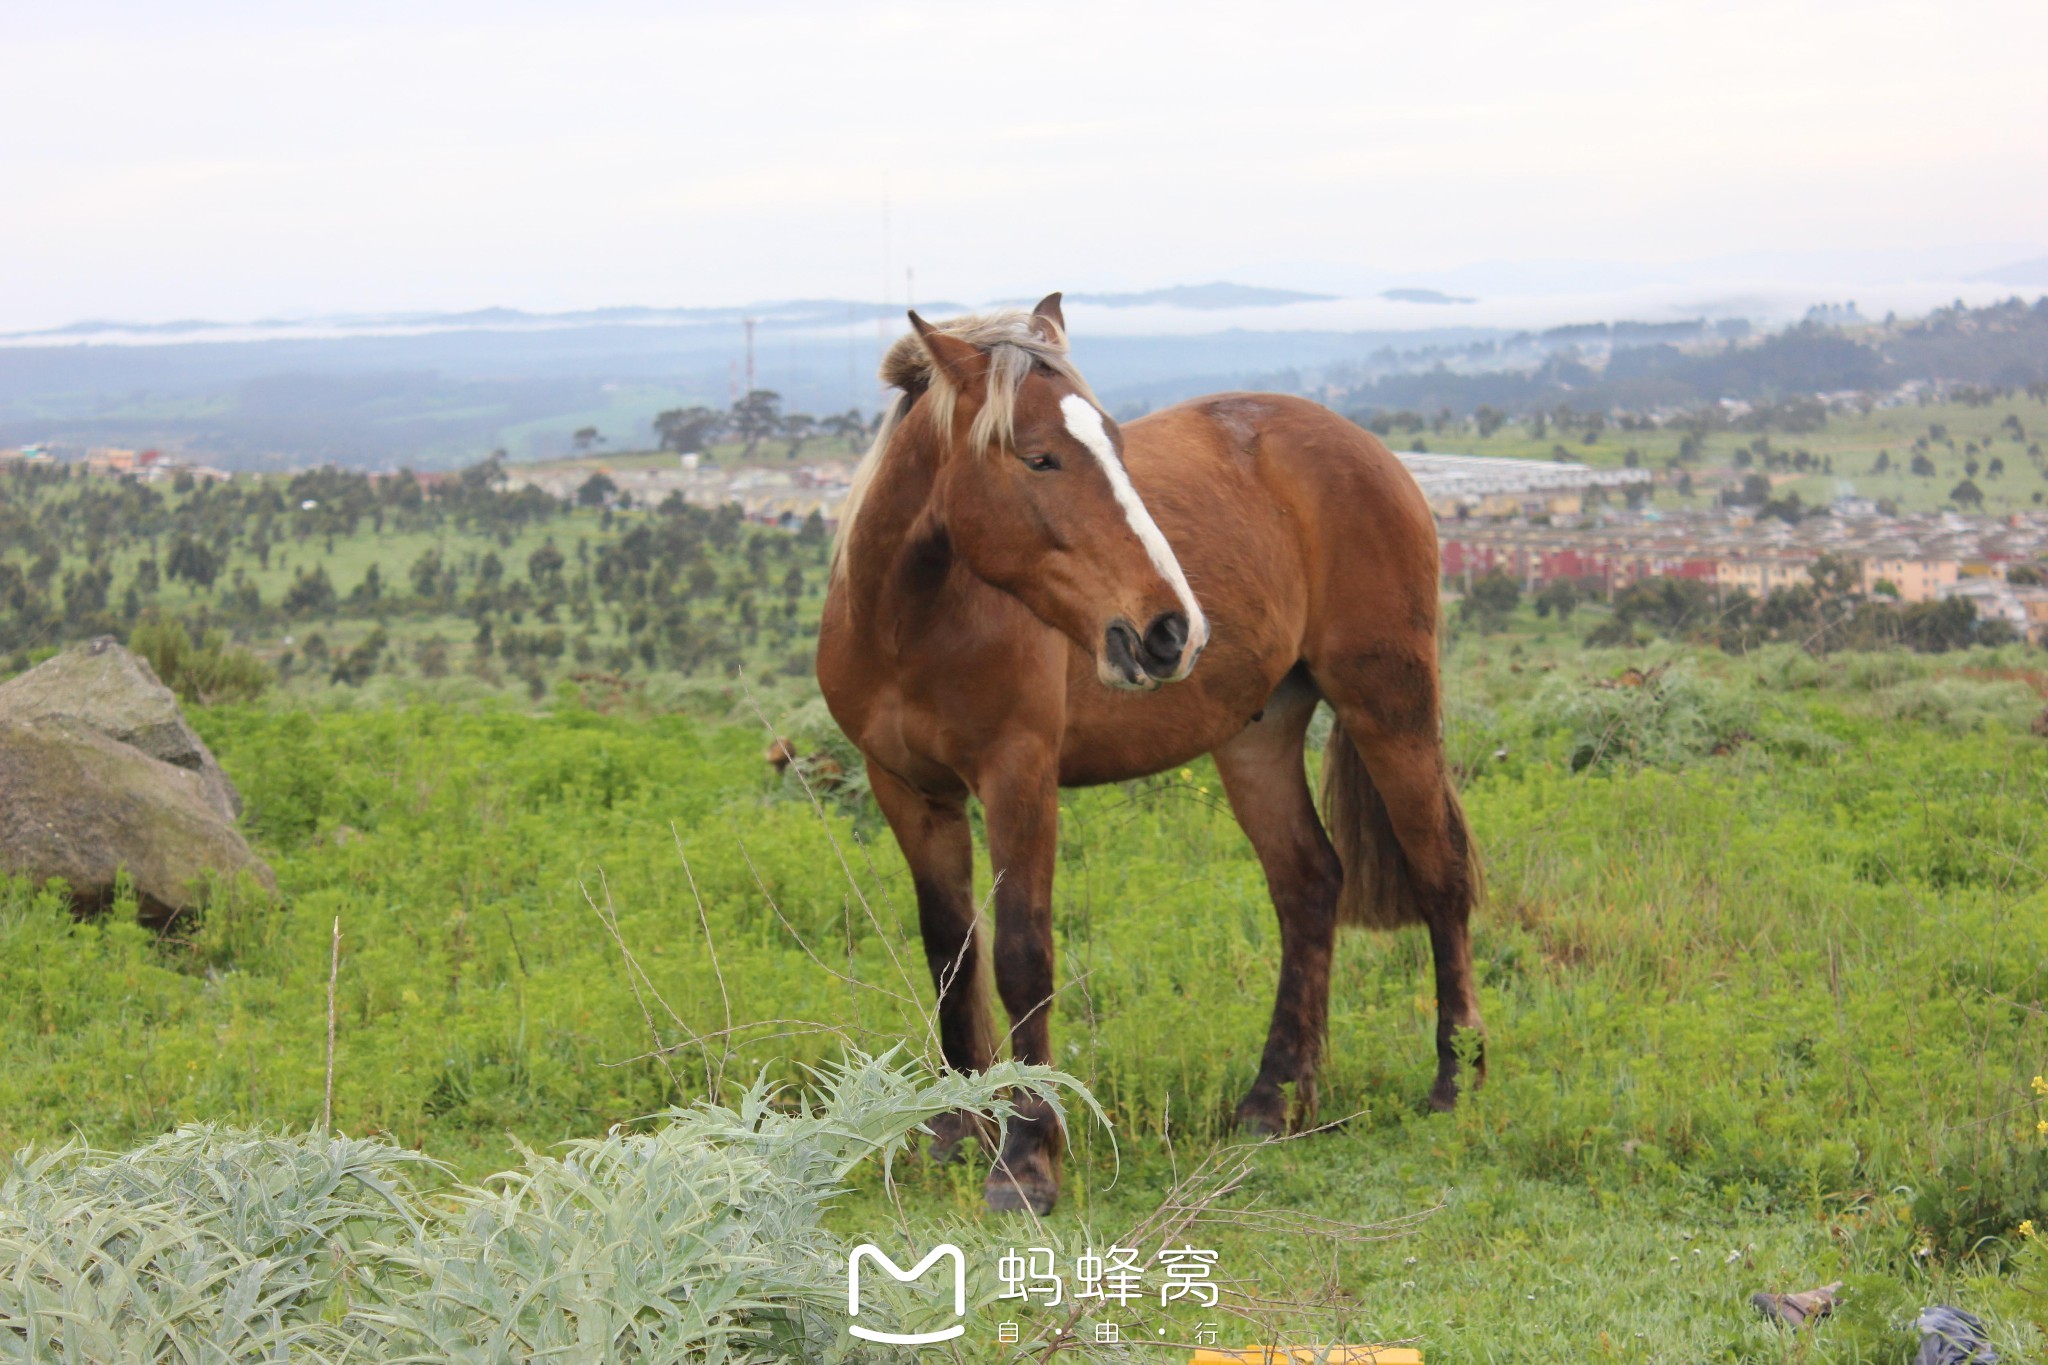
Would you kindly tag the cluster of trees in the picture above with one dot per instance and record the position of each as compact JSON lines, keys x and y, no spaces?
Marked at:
{"x":63,"y":530}
{"x":677,"y":587}
{"x":1995,"y":350}
{"x":756,"y":418}
{"x":1830,"y":613}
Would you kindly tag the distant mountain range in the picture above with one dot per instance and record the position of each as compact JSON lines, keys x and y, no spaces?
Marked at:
{"x":812,"y":313}
{"x":2025,"y":274}
{"x":1217,"y":295}
{"x":1423,"y":296}
{"x":436,"y":390}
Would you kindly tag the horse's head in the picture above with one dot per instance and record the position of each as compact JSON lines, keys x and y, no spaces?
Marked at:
{"x":1033,"y":495}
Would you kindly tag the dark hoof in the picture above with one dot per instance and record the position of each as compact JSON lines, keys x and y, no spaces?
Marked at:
{"x":1262,"y":1118}
{"x":1030,"y":1184}
{"x":956,"y":1136}
{"x":1443,"y":1096}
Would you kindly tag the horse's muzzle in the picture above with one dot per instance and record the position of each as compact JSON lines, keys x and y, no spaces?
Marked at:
{"x":1143,"y":662}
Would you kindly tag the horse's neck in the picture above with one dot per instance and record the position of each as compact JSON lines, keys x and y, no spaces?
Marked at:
{"x":896,"y":557}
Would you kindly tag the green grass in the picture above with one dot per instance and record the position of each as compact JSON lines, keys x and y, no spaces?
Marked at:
{"x":1852,"y":440}
{"x":1766,"y":1019}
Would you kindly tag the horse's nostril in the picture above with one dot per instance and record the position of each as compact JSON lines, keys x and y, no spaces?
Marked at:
{"x":1125,"y":651}
{"x":1165,"y":638}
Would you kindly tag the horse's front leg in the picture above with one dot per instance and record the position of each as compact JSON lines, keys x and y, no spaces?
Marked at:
{"x":939,"y":847}
{"x":1020,"y":798}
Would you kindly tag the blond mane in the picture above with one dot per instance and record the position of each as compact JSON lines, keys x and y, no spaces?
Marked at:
{"x":1014,"y":346}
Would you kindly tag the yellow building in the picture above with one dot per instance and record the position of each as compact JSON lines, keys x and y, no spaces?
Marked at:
{"x":1918,"y":580}
{"x":1762,"y":576}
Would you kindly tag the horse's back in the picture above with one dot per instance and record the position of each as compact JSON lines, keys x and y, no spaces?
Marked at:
{"x":1254,"y":486}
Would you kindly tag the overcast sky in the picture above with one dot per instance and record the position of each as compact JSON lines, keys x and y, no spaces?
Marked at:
{"x":235,"y":161}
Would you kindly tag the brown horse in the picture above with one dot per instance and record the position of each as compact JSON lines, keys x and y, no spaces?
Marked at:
{"x":1016,"y":583}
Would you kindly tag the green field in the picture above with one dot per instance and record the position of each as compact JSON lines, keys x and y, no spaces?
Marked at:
{"x":1851,"y":440}
{"x":1764,"y":961}
{"x":1763,"y":969}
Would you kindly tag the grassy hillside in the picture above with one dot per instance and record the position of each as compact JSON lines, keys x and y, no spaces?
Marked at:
{"x":1763,"y":970}
{"x":1851,"y":441}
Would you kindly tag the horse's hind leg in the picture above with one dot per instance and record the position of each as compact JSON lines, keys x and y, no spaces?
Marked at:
{"x":1264,"y":777}
{"x":1387,"y":704}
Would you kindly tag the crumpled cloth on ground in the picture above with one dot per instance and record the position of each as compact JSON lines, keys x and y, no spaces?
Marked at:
{"x":1951,"y":1337}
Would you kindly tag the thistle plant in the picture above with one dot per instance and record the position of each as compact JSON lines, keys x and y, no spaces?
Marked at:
{"x":700,"y":1240}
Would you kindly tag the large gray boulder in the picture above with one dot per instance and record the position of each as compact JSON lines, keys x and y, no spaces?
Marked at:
{"x":106,"y":688}
{"x":80,"y":802}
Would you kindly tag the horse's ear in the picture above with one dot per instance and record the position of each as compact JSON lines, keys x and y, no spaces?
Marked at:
{"x":964,"y":362}
{"x":1048,"y":321}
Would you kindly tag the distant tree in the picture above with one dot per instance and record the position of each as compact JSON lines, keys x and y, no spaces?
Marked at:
{"x":757,"y":417}
{"x":1561,"y":596}
{"x":1935,"y":627}
{"x":371,"y":589}
{"x":1966,"y":494}
{"x":432,"y":657}
{"x":796,"y":428}
{"x":1673,"y":606}
{"x":311,"y":594}
{"x":356,"y":667}
{"x":1923,"y":467}
{"x":849,"y":426}
{"x":583,"y":438}
{"x":192,"y":560}
{"x":1995,"y":468}
{"x":596,"y":490}
{"x":1685,"y":484}
{"x":490,"y":570}
{"x":1788,"y":509}
{"x":484,"y":475}
{"x":1884,"y":587}
{"x":1490,"y":601}
{"x":544,"y":566}
{"x":1883,"y":464}
{"x":426,"y":574}
{"x":1489,"y":419}
{"x":1835,"y":576}
{"x":685,"y":430}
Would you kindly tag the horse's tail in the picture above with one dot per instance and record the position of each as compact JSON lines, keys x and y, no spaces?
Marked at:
{"x":1379,"y":888}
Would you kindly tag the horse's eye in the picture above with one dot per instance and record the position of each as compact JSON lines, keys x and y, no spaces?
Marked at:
{"x":1040,"y":462}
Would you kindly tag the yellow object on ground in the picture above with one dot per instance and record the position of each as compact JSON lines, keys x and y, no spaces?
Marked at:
{"x":1310,"y":1355}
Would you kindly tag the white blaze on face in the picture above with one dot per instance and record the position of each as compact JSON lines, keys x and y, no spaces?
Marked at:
{"x":1084,"y":421}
